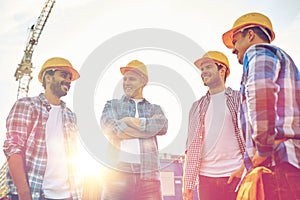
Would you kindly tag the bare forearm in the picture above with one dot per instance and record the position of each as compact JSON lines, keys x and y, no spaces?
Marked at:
{"x":17,"y":172}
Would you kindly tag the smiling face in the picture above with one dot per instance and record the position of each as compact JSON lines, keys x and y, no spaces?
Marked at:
{"x":60,"y":83}
{"x":210,"y":74}
{"x":242,"y":41}
{"x":133,"y":85}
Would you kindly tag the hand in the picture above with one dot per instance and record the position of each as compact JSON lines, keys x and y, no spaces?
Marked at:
{"x":24,"y":194}
{"x":257,"y":160}
{"x":236,"y":174}
{"x":132,"y":122}
{"x":157,"y":116}
{"x":188,"y":194}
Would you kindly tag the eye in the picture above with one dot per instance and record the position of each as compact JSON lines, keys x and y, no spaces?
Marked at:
{"x":66,"y":75}
{"x":132,"y":79}
{"x":208,"y":66}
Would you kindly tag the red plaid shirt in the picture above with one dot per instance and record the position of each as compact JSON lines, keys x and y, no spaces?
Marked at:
{"x":196,"y":134}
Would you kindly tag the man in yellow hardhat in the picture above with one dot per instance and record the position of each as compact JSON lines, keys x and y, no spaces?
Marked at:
{"x":215,"y":146}
{"x":41,"y":143}
{"x":270,"y":111}
{"x":132,"y":124}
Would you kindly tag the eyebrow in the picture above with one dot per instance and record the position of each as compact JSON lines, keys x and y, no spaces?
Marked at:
{"x":62,"y":72}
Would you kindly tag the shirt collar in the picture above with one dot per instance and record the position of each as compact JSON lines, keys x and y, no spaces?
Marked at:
{"x":127,"y":99}
{"x":228,"y":92}
{"x":46,"y":103}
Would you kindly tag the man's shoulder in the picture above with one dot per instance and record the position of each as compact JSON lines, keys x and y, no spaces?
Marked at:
{"x":28,"y":100}
{"x":263,"y":49}
{"x":231,"y":91}
{"x":121,"y":100}
{"x":202,"y":99}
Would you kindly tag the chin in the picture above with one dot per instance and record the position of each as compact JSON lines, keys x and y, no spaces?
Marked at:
{"x":63,"y":94}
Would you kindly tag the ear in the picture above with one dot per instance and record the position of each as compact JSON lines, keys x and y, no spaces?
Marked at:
{"x":144,"y":82}
{"x":47,"y":78}
{"x":223,"y":72}
{"x":251,"y":35}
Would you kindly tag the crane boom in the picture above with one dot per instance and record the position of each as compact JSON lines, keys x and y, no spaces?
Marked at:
{"x":24,"y":70}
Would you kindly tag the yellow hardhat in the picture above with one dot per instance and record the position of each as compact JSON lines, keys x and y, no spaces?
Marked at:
{"x":249,"y":20}
{"x":137,"y":66}
{"x":217,"y":57}
{"x":58,"y":63}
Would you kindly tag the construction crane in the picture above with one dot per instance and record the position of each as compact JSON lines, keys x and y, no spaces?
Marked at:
{"x":24,"y":70}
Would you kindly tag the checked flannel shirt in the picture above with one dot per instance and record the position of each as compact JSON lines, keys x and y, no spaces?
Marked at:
{"x":117,"y":109}
{"x":25,"y":135}
{"x":196,"y":134}
{"x":270,"y":94}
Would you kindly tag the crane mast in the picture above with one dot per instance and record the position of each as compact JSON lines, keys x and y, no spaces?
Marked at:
{"x":24,"y":70}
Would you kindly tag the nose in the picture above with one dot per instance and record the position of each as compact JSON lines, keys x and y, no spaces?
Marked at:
{"x":203,"y":72}
{"x":126,"y":82}
{"x":234,"y":51}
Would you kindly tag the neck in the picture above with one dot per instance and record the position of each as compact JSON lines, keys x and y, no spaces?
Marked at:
{"x":216,"y":90}
{"x":52,"y":99}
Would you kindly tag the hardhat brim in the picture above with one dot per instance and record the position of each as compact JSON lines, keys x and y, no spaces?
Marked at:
{"x":227,"y":37}
{"x":126,"y":69}
{"x":74,"y":72}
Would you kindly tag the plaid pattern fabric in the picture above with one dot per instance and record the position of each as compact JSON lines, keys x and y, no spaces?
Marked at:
{"x":26,"y":125}
{"x":196,"y":134}
{"x":270,"y":94}
{"x":117,"y":109}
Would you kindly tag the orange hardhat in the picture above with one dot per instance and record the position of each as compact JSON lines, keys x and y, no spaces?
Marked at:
{"x":137,"y":66}
{"x":58,"y":63}
{"x":247,"y":21}
{"x":216,"y":56}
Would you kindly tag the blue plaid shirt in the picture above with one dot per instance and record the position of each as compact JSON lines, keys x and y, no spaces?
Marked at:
{"x":26,"y":125}
{"x":117,"y":109}
{"x":270,"y":95}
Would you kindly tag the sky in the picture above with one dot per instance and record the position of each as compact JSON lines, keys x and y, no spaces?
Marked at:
{"x":80,"y":30}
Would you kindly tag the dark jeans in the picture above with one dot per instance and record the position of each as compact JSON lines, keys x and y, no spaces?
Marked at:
{"x":15,"y":197}
{"x":124,"y":185}
{"x":213,"y":188}
{"x":283,"y":184}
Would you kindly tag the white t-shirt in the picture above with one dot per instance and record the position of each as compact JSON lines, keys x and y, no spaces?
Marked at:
{"x":221,"y":154}
{"x":130,"y":149}
{"x":55,"y":183}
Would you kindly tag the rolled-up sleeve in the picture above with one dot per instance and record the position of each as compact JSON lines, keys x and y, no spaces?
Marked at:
{"x":18,"y":124}
{"x":262,"y":95}
{"x":109,"y":121}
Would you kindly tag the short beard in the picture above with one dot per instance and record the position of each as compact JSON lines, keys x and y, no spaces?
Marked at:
{"x":56,"y":89}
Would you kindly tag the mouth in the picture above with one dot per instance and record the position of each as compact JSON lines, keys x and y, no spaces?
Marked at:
{"x":128,"y":89}
{"x":66,"y":85}
{"x":204,"y":78}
